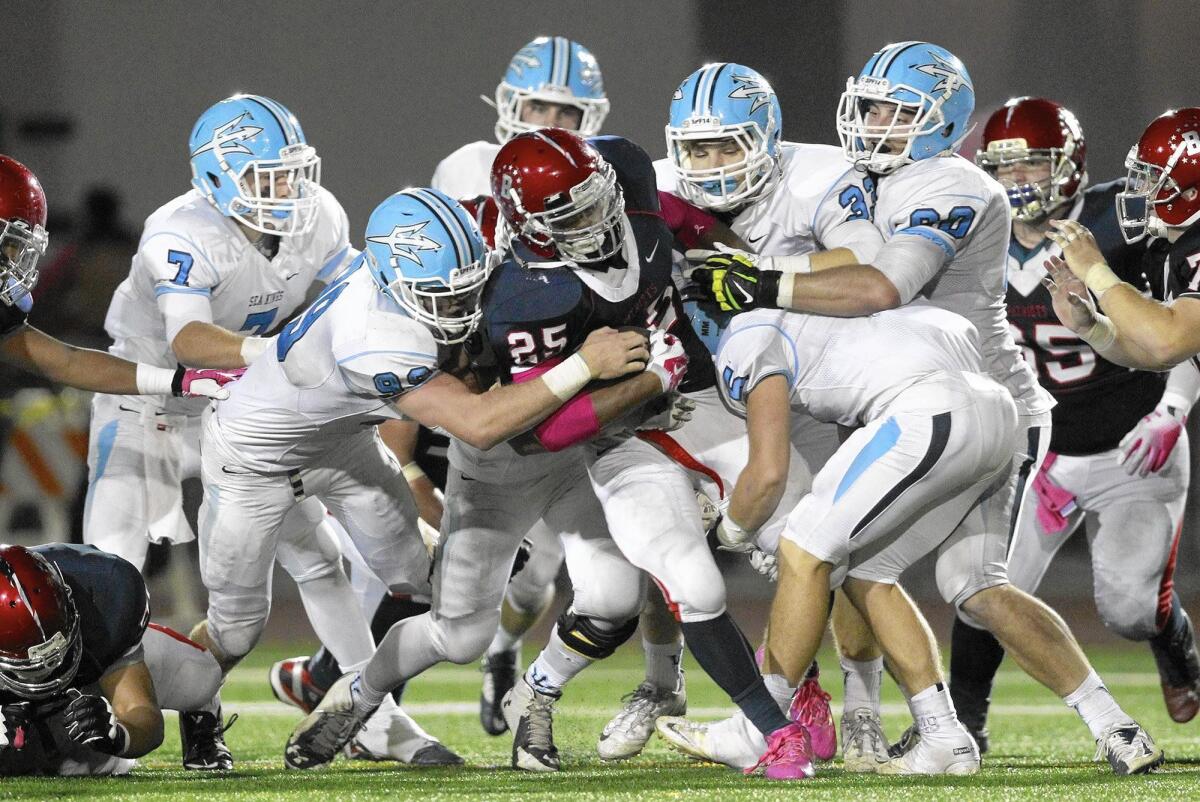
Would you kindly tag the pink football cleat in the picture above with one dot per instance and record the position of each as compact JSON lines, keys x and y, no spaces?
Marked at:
{"x":788,"y":755}
{"x":810,"y":709}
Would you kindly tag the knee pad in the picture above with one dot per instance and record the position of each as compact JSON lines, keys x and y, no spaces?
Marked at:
{"x":464,"y":640}
{"x":234,"y":632}
{"x":583,"y":635}
{"x":1125,"y":615}
{"x":186,"y":676}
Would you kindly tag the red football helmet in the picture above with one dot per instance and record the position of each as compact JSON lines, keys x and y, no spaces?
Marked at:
{"x":40,"y":645}
{"x":1162,"y":190}
{"x":559,"y":196}
{"x":1034,"y":131}
{"x":22,"y":229}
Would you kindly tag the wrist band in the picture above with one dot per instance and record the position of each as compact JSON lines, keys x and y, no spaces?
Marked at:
{"x":783,"y":298}
{"x":797,"y":263}
{"x":1101,"y":335}
{"x":1100,"y":278}
{"x":253,"y":347}
{"x":568,"y":377}
{"x":154,"y":381}
{"x":413,"y":472}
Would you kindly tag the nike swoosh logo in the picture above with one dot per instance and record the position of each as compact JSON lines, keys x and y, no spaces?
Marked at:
{"x":235,"y":473}
{"x":756,"y":240}
{"x":292,"y":276}
{"x":653,"y":251}
{"x":746,"y":297}
{"x":124,"y":408}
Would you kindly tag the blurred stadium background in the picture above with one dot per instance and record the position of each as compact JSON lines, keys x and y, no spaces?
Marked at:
{"x":99,"y":99}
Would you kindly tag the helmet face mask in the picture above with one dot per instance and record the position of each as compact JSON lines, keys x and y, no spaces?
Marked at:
{"x":551,"y":70}
{"x":279,"y":197}
{"x":41,"y":651}
{"x":586,"y":224}
{"x":20,"y":248}
{"x":931,"y":98}
{"x":718,"y":105}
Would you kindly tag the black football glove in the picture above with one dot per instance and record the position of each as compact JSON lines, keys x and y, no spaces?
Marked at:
{"x":90,"y":722}
{"x":733,"y":282}
{"x":14,"y":724}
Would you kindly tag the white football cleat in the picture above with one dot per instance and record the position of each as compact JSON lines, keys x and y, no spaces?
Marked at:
{"x":1129,"y":749}
{"x":733,"y":741}
{"x":945,"y":748}
{"x":864,"y":746}
{"x":627,"y":733}
{"x":329,"y":727}
{"x":391,"y":734}
{"x":530,"y":717}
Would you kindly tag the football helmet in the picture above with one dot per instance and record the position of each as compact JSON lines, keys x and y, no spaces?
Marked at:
{"x":40,"y":643}
{"x":23,"y":235}
{"x":725,"y":101}
{"x":1162,"y":192}
{"x":559,"y":196}
{"x":933,"y":99}
{"x":1033,"y":130}
{"x":250,"y":158}
{"x":555,"y":70}
{"x":426,"y":254}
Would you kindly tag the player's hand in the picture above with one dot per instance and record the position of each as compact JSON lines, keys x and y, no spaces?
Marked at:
{"x":14,"y":719}
{"x":676,"y":411}
{"x":765,"y":564}
{"x":90,"y":721}
{"x":204,"y":382}
{"x":1149,"y":444}
{"x":668,"y":361}
{"x":732,"y":280}
{"x":1079,"y":247}
{"x":611,"y":354}
{"x":1072,"y":300}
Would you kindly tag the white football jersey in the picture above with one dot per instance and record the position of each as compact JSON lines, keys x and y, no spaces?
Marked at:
{"x":842,"y":370}
{"x":467,"y":172}
{"x":818,"y":204}
{"x":333,"y":371}
{"x":189,"y":247}
{"x":953,"y":203}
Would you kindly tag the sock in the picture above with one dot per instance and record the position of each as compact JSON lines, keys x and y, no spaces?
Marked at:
{"x":1096,"y":706}
{"x":555,"y":666}
{"x":664,"y":664}
{"x":390,"y":610}
{"x":975,"y":657}
{"x":723,"y":652}
{"x":1174,"y":648}
{"x":780,"y":689}
{"x":324,"y":669}
{"x":503,"y":641}
{"x":410,"y":647}
{"x":365,"y":697}
{"x":933,"y":710}
{"x":862,"y":681}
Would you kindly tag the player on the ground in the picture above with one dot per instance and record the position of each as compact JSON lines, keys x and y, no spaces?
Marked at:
{"x":84,"y":678}
{"x":23,"y":240}
{"x":1161,"y":199}
{"x":726,"y":154}
{"x":1118,"y":449}
{"x":901,"y":120}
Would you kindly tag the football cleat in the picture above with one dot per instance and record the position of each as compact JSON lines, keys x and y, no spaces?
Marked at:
{"x":293,"y":685}
{"x":733,"y":741}
{"x":202,"y":741}
{"x":908,"y":739}
{"x":1183,"y":703}
{"x":1129,"y":749}
{"x":627,"y":733}
{"x":499,"y":676}
{"x":1179,"y":672}
{"x":788,"y":756}
{"x":940,"y":750}
{"x":971,"y":706}
{"x":810,"y":709}
{"x":391,"y":734}
{"x":328,"y":728}
{"x":530,"y":715}
{"x":864,"y":746}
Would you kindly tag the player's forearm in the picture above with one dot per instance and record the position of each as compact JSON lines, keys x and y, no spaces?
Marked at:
{"x":759,"y":489}
{"x":844,"y":291}
{"x":585,"y":415}
{"x":204,"y":345}
{"x":145,"y":727}
{"x":82,"y":368}
{"x":1150,"y":335}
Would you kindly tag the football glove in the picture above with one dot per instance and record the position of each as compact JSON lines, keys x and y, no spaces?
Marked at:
{"x":732,"y":281}
{"x":765,"y":564}
{"x":676,"y":410}
{"x":203,"y":382}
{"x":90,"y":721}
{"x":14,"y":719}
{"x":668,"y":360}
{"x":1149,"y":444}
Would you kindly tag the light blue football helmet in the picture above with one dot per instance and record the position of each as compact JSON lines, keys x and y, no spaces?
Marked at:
{"x":918,"y":79}
{"x":553,"y":69}
{"x":426,"y":254}
{"x":721,"y":102}
{"x":249,"y":157}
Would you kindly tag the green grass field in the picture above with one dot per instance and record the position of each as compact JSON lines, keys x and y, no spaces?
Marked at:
{"x":1039,"y":749}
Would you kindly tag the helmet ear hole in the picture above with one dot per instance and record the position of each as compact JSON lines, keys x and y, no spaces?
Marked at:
{"x":948,"y":131}
{"x":215,"y":179}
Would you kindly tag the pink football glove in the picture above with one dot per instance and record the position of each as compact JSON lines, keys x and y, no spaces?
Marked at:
{"x":204,"y":382}
{"x":1148,"y":445}
{"x":667,"y":359}
{"x":1054,"y":502}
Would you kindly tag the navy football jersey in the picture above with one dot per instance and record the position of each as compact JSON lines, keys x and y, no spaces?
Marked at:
{"x":110,"y":597}
{"x":537,"y":310}
{"x":1176,"y":267}
{"x":1098,"y":401}
{"x":11,"y":319}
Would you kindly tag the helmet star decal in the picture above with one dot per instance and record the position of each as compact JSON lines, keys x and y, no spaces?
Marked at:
{"x":753,"y":88}
{"x":950,"y":77}
{"x":404,"y":241}
{"x":229,"y":138}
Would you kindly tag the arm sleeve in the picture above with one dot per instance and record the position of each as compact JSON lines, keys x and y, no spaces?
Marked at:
{"x":910,"y":261}
{"x":635,"y":172}
{"x":747,"y":355}
{"x":573,"y":422}
{"x":689,"y":223}
{"x":386,"y":365}
{"x":1183,"y":386}
{"x":179,"y":309}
